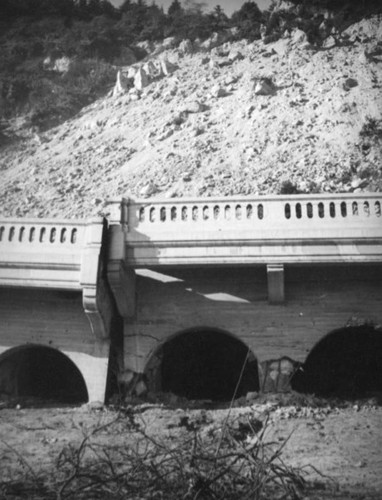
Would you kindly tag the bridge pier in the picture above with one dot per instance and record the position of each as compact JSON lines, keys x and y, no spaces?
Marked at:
{"x":94,"y":369}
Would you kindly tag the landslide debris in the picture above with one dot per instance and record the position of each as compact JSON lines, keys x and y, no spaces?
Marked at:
{"x":239,"y":118}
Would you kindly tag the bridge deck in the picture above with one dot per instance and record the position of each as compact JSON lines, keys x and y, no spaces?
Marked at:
{"x":269,"y":229}
{"x":45,"y":253}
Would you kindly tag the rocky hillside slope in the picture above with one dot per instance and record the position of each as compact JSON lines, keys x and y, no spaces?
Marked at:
{"x":235,"y":119}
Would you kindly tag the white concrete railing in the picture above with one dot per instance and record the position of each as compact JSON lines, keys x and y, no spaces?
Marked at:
{"x":293,"y":221}
{"x":44,"y":252}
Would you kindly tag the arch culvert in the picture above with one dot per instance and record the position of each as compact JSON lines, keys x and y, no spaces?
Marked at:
{"x":205,"y":364}
{"x":43,"y":373}
{"x":345,"y":363}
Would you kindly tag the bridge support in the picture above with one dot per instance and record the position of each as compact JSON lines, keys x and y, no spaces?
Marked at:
{"x":94,"y":369}
{"x":276,"y":289}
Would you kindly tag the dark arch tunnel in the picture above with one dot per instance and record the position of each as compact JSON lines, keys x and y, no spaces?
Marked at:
{"x":41,"y":372}
{"x":345,"y":363}
{"x":204,"y":364}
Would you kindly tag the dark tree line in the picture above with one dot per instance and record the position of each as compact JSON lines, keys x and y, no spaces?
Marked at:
{"x":142,"y":19}
{"x":95,"y":36}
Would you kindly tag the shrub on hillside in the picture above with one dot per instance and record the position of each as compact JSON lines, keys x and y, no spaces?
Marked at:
{"x":53,"y":100}
{"x":371,"y":129}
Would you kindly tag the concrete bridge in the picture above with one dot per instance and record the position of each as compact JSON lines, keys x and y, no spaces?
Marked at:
{"x":190,"y":295}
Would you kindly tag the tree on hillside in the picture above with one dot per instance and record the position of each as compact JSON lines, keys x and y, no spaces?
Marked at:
{"x":155,"y":22}
{"x":248,"y":19}
{"x":175,"y":10}
{"x":126,"y":5}
{"x":249,"y":11}
{"x":218,"y":19}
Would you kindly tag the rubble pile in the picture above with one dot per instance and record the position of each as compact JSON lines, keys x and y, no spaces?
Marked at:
{"x":215,"y":119}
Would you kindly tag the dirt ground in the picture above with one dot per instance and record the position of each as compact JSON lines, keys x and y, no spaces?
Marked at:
{"x":342,"y":442}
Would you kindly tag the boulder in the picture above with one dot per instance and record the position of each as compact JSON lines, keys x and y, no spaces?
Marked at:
{"x":213,"y":64}
{"x":195,"y":106}
{"x":146,"y":46}
{"x":350,"y":83}
{"x":215,"y":40}
{"x":235,"y":55}
{"x":167,"y":67}
{"x":374,"y":52}
{"x":265,"y":87}
{"x":140,"y":80}
{"x":186,"y":47}
{"x":148,"y":190}
{"x":298,"y":36}
{"x":62,"y":65}
{"x":131,"y":72}
{"x":150,"y":69}
{"x":121,"y":85}
{"x":218,"y":91}
{"x":169,"y":43}
{"x":281,"y":47}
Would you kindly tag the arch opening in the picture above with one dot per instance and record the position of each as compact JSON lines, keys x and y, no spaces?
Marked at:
{"x":202,"y":364}
{"x":41,"y":373}
{"x":345,"y":363}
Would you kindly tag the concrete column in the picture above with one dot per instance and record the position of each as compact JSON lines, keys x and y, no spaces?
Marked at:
{"x":94,"y":370}
{"x":276,"y":292}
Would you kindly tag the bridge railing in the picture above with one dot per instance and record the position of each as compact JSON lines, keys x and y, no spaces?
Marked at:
{"x":27,"y":234}
{"x":269,"y":216}
{"x":44,"y":252}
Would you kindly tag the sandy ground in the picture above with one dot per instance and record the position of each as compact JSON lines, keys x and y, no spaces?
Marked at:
{"x":343,"y":444}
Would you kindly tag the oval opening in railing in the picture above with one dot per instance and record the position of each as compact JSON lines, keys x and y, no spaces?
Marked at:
{"x":321,"y":210}
{"x":298,"y":211}
{"x":354,"y":207}
{"x":344,"y":210}
{"x":152,"y":214}
{"x":32,"y":234}
{"x":216,"y":212}
{"x":42,"y":234}
{"x":63,"y":235}
{"x":2,"y":230}
{"x":366,"y":208}
{"x":11,"y":234}
{"x":173,"y":213}
{"x":332,"y":210}
{"x":141,"y":216}
{"x":21,"y":233}
{"x":260,"y":211}
{"x":377,"y":207}
{"x":227,"y":212}
{"x":309,"y":210}
{"x":184,"y":213}
{"x":195,"y":213}
{"x":238,"y":212}
{"x":206,"y":212}
{"x":287,"y":211}
{"x":52,"y":238}
{"x":163,"y":214}
{"x":73,"y":237}
{"x":249,"y":211}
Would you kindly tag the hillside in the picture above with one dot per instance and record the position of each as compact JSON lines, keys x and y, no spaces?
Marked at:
{"x":237,"y":119}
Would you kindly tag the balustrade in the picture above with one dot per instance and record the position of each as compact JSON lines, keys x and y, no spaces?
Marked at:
{"x":274,"y":211}
{"x":37,"y":233}
{"x":182,"y":212}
